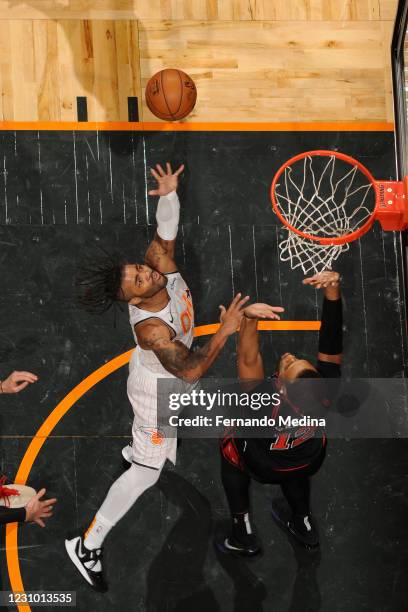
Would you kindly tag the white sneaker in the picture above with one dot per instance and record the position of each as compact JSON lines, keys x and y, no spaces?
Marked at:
{"x":88,"y":562}
{"x":127,"y":452}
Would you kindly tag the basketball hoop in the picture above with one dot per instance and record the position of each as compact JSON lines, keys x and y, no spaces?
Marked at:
{"x":326,"y":200}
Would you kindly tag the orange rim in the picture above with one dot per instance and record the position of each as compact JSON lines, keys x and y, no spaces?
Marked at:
{"x":326,"y":241}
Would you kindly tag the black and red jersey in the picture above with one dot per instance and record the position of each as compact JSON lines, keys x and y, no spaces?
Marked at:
{"x":289,"y":448}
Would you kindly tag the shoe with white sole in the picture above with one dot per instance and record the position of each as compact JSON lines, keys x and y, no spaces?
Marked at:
{"x":244,"y":547}
{"x":88,"y":562}
{"x":242,"y":541}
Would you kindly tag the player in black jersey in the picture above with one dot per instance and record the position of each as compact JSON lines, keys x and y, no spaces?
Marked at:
{"x":294,"y":454}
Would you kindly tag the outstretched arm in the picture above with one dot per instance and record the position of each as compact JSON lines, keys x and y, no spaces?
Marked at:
{"x":160,"y":254}
{"x":35,"y":510}
{"x":331,"y":330}
{"x":181,"y":361}
{"x":250,"y":363}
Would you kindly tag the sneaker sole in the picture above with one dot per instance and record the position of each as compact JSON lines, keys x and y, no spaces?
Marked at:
{"x":235,"y":552}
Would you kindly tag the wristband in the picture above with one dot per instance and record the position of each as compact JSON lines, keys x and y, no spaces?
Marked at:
{"x":167,"y":216}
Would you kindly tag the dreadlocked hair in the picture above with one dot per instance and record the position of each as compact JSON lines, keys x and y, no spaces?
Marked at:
{"x":97,"y":281}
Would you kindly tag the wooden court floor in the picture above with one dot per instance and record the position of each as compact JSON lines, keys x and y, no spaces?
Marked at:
{"x":256,"y":61}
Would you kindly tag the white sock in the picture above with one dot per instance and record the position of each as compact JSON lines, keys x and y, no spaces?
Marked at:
{"x":120,"y":498}
{"x":97,"y":532}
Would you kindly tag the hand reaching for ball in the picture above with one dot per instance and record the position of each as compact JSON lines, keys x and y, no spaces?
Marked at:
{"x":166,"y":181}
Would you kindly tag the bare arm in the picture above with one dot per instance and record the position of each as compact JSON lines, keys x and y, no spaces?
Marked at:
{"x":160,"y":254}
{"x":175,"y":357}
{"x":181,"y":361}
{"x":250,"y":363}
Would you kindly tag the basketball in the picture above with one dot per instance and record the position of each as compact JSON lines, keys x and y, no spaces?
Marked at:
{"x":171,"y":94}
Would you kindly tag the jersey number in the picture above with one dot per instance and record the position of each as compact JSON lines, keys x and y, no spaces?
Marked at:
{"x":285,"y":441}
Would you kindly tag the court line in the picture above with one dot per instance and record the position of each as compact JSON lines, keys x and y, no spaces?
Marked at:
{"x":153,"y":126}
{"x":206,"y":330}
{"x":68,"y":402}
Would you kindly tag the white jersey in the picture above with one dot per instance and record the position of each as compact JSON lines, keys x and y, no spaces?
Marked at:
{"x":178,"y":315}
{"x":149,"y":448}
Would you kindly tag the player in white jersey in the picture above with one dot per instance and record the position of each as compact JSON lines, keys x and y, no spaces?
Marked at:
{"x":148,"y":446}
{"x":162,"y":319}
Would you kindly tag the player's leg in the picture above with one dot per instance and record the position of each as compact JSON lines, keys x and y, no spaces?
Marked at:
{"x":85,"y":551}
{"x":301,"y":524}
{"x":242,"y":539}
{"x":296,"y":489}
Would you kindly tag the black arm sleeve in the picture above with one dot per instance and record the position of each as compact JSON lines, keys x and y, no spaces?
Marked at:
{"x":331,"y":330}
{"x":12,"y":515}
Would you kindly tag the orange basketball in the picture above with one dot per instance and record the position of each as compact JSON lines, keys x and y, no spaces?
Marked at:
{"x":171,"y":94}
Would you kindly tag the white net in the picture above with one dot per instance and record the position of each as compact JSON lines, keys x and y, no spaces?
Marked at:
{"x":326,"y":197}
{"x":311,"y":256}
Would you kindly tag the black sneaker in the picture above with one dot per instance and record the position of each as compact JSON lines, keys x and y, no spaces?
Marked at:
{"x":88,"y":562}
{"x":242,"y":540}
{"x":246,"y":546}
{"x":302,"y":528}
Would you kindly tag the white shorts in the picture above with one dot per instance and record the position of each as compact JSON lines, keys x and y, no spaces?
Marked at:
{"x":150,"y":446}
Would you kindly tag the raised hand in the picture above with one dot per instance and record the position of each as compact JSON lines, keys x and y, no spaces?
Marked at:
{"x":166,"y":181}
{"x":231,"y":317}
{"x":17,"y":381}
{"x":263,"y":311}
{"x":37,"y":509}
{"x":328,"y":278}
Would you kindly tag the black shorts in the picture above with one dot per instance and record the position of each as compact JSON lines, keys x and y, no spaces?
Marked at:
{"x":232,"y":452}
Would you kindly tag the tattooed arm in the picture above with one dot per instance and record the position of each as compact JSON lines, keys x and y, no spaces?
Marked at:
{"x":160,"y":254}
{"x":175,"y":357}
